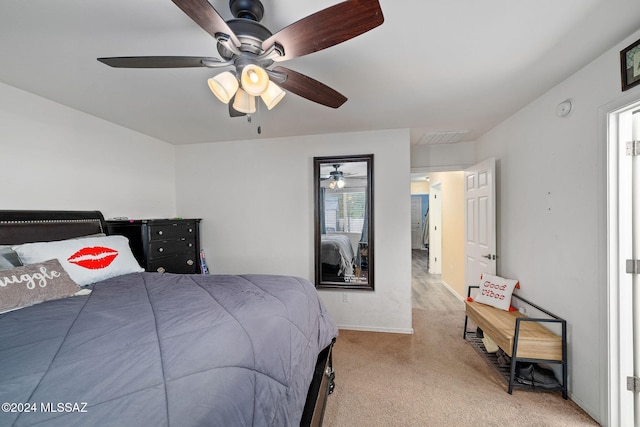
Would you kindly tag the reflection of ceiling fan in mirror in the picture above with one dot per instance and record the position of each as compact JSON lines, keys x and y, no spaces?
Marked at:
{"x":250,"y":50}
{"x":336,"y":177}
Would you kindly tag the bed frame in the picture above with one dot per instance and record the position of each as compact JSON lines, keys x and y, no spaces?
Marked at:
{"x":25,"y":226}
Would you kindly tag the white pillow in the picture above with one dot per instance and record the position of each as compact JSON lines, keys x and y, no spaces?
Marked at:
{"x":496,"y":291}
{"x":86,"y":260}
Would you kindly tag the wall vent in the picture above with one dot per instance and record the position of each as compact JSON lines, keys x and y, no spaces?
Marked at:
{"x":442,"y":137}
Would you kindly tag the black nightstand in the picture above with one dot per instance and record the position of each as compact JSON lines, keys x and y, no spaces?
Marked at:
{"x":162,"y":245}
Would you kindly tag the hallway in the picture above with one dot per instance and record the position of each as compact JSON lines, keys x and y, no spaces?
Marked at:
{"x":427,"y":290}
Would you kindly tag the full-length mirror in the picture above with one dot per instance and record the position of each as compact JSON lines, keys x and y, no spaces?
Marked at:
{"x":343,"y":190}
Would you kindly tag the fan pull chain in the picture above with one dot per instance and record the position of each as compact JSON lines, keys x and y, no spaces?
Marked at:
{"x":259,"y":129}
{"x":259,"y":117}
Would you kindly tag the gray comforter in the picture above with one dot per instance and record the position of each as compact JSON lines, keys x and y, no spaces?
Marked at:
{"x":165,"y":350}
{"x":337,"y":250}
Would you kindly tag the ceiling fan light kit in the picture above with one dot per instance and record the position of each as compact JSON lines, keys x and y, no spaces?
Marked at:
{"x":272,"y":95}
{"x":224,"y":86}
{"x":255,"y":82}
{"x":244,"y":102}
{"x":336,"y":177}
{"x":254,"y":79}
{"x":249,"y":47}
{"x":337,"y":183}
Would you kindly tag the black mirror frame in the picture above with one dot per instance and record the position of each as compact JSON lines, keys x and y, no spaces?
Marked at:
{"x":317,"y":162}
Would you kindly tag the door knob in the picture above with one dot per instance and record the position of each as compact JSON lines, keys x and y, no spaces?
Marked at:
{"x":489,"y":256}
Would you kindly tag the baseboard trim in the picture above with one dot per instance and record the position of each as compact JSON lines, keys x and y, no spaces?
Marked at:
{"x":408,"y":331}
{"x":450,"y":289}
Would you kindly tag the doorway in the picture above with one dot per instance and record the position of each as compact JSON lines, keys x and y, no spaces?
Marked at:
{"x":446,"y":202}
{"x":419,"y":221}
{"x":623,"y":235}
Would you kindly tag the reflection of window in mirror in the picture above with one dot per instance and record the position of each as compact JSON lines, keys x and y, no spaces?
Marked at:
{"x":343,"y":222}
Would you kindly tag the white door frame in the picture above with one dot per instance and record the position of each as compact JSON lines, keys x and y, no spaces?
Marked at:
{"x":620,"y":402}
{"x":435,"y":228}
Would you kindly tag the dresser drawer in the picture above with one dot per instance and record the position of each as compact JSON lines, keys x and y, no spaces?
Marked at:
{"x":183,"y":263}
{"x":163,"y":248}
{"x":171,"y":231}
{"x":171,"y":245}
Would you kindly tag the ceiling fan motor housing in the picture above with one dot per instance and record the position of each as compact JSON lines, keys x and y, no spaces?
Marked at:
{"x":251,"y":35}
{"x":336,"y":173}
{"x":247,"y":9}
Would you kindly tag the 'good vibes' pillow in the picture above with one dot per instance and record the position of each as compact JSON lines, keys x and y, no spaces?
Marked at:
{"x":496,"y":291}
{"x":86,"y":260}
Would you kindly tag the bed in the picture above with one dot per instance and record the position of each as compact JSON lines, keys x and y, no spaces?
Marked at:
{"x":158,"y":349}
{"x":337,"y":257}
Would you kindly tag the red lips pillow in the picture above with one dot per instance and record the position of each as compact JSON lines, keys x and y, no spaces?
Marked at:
{"x":87,"y":260}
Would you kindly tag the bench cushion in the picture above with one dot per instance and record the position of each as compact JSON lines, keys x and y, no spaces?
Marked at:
{"x":534,"y":342}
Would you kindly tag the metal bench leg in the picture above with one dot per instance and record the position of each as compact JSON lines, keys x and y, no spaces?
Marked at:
{"x":512,"y":374}
{"x":464,"y":334}
{"x":565,"y":386}
{"x":466,"y":318}
{"x":514,"y":353}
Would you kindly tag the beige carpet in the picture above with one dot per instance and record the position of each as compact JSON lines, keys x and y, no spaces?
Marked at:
{"x":432,"y":378}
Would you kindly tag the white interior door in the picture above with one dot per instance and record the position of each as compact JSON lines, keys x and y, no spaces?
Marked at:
{"x":635,"y":277}
{"x":435,"y":228}
{"x":624,"y":244}
{"x":416,"y":222}
{"x":480,"y":214}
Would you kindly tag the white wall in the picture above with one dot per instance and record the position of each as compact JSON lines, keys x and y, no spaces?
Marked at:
{"x":54,"y":157}
{"x":256,"y":201}
{"x":442,"y":157}
{"x":552,"y":213}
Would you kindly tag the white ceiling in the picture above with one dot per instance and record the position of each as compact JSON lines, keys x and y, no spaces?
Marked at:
{"x":434,"y":66}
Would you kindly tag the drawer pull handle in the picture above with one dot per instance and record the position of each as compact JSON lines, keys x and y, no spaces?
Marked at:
{"x":160,"y":249}
{"x":191,"y":230}
{"x":189,"y":262}
{"x":190,"y":245}
{"x":160,"y":233}
{"x":161,"y":270}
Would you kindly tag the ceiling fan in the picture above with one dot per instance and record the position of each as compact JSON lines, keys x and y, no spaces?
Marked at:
{"x":336,"y":177}
{"x":251,"y":49}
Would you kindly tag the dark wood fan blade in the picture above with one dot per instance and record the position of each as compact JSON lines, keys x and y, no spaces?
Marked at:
{"x":327,"y":28}
{"x":310,"y":89}
{"x":156,"y":61}
{"x":205,"y":15}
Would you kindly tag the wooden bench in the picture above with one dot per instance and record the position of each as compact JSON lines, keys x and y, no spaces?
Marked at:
{"x":522,"y":338}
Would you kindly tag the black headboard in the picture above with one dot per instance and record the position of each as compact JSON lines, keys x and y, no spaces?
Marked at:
{"x":17,"y":227}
